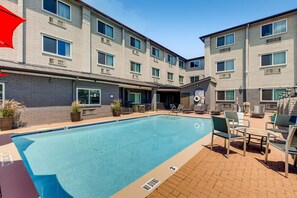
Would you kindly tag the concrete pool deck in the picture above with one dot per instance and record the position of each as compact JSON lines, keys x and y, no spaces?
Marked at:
{"x":200,"y":174}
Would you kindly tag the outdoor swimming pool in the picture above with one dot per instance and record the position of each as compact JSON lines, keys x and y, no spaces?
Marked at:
{"x":99,"y":160}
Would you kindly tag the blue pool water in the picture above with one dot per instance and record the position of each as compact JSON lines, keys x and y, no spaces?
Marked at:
{"x":99,"y":160}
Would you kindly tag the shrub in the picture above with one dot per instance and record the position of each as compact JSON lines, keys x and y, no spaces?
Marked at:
{"x":9,"y":108}
{"x":75,"y":106}
{"x":116,"y":104}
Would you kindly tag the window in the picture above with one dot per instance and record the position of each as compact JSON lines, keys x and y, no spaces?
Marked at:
{"x":225,"y":40}
{"x":105,"y":29}
{"x":195,"y":64}
{"x":56,"y":46}
{"x":271,"y":94}
{"x":158,"y":98}
{"x":155,"y":52}
{"x":170,"y":59}
{"x":135,"y":67}
{"x":226,"y":95}
{"x":105,"y":59}
{"x":57,"y":7}
{"x":276,"y":58}
{"x":170,"y":76}
{"x":135,"y":43}
{"x":181,"y":64}
{"x":225,"y":66}
{"x":277,"y":27}
{"x":89,"y":96}
{"x":2,"y":91}
{"x":181,"y":79}
{"x":194,"y":79}
{"x":135,"y":98}
{"x":156,"y":72}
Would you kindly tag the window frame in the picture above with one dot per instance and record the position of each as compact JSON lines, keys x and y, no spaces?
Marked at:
{"x":225,"y":71}
{"x":273,"y":89}
{"x":180,"y":61}
{"x":274,"y":65}
{"x":156,"y":69}
{"x":135,"y":93}
{"x":157,"y":98}
{"x":57,"y":49}
{"x":168,"y":76}
{"x":225,"y":96}
{"x":194,"y":78}
{"x":113,"y":29}
{"x":225,"y":45}
{"x":172,"y":63}
{"x":89,"y":89}
{"x":159,"y":57}
{"x":134,"y":72}
{"x":194,"y":63}
{"x":3,"y":91}
{"x":56,"y":14}
{"x":99,"y":51}
{"x":139,"y":49}
{"x":183,"y":77}
{"x":285,"y":19}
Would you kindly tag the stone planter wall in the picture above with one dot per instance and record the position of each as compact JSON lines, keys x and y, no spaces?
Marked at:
{"x":287,"y":106}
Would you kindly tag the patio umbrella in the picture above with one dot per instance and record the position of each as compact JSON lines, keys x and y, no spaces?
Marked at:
{"x":8,"y":22}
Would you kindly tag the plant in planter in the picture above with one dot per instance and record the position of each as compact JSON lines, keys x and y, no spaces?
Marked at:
{"x":75,"y":111}
{"x":8,"y":111}
{"x":272,"y":118}
{"x":116,"y":107}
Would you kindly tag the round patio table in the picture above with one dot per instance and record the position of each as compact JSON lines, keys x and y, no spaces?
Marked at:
{"x":256,"y":132}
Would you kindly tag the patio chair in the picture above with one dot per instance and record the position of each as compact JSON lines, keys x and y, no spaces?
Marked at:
{"x":127,"y":110}
{"x":189,"y":110}
{"x":235,"y":122}
{"x":287,"y":146}
{"x":200,"y":109}
{"x":281,"y":124}
{"x":222,"y":129}
{"x":259,"y":112}
{"x":217,"y":110}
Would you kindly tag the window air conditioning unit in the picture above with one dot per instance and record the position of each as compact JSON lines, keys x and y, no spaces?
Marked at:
{"x":170,"y":65}
{"x":57,"y":62}
{"x":155,"y":60}
{"x":135,"y":52}
{"x":156,"y":80}
{"x":57,"y":22}
{"x":272,"y":71}
{"x":271,"y":106}
{"x":224,"y":76}
{"x":105,"y":40}
{"x":228,"y":49}
{"x":134,"y":76}
{"x":273,"y":40}
{"x":105,"y":71}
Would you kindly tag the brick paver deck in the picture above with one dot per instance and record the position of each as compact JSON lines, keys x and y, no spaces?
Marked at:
{"x":211,"y":174}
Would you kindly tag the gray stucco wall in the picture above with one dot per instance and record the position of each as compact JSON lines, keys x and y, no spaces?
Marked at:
{"x":48,"y":100}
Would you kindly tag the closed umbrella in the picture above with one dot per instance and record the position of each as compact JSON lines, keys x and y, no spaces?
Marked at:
{"x":8,"y":23}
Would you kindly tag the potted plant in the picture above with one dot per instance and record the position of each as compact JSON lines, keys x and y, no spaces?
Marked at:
{"x":75,"y":111}
{"x":8,"y":111}
{"x":272,"y":118}
{"x":116,"y":107}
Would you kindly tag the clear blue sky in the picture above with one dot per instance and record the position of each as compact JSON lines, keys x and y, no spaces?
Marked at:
{"x":178,"y":24}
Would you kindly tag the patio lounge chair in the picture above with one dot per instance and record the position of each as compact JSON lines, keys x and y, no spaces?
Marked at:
{"x":287,"y":146}
{"x":281,"y":124}
{"x":189,"y":110}
{"x":217,"y":110}
{"x":222,"y":129}
{"x":234,"y":121}
{"x":127,"y":110}
{"x":259,"y":112}
{"x":176,"y":110}
{"x":200,"y":109}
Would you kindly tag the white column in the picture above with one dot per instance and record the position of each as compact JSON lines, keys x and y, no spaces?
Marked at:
{"x":21,"y":34}
{"x":154,"y":99}
{"x":86,"y":53}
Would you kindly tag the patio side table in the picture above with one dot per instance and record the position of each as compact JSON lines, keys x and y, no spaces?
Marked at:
{"x":256,"y":132}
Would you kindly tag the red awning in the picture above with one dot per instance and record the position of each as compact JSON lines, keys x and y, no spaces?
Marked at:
{"x":3,"y":74}
{"x":8,"y":22}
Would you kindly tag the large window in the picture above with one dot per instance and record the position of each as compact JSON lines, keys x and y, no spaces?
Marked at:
{"x":135,"y":67}
{"x":135,"y":98}
{"x":156,"y":72}
{"x":170,"y":59}
{"x":134,"y":42}
{"x":56,"y":46}
{"x":170,"y":76}
{"x":181,"y":79}
{"x":158,"y":98}
{"x":155,"y":52}
{"x":2,"y":92}
{"x":105,"y":59}
{"x":276,"y":58}
{"x":271,"y":95}
{"x":57,"y":7}
{"x":194,"y":79}
{"x":225,"y":66}
{"x":274,"y":28}
{"x":226,"y":95}
{"x":181,"y":64}
{"x":195,"y":64}
{"x":105,"y":29}
{"x":225,"y":40}
{"x":89,"y":96}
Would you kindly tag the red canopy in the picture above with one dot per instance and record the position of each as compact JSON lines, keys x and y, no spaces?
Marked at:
{"x":8,"y":22}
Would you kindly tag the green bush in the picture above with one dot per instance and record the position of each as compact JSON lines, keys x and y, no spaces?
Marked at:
{"x":75,"y":106}
{"x":116,"y":104}
{"x":9,"y":108}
